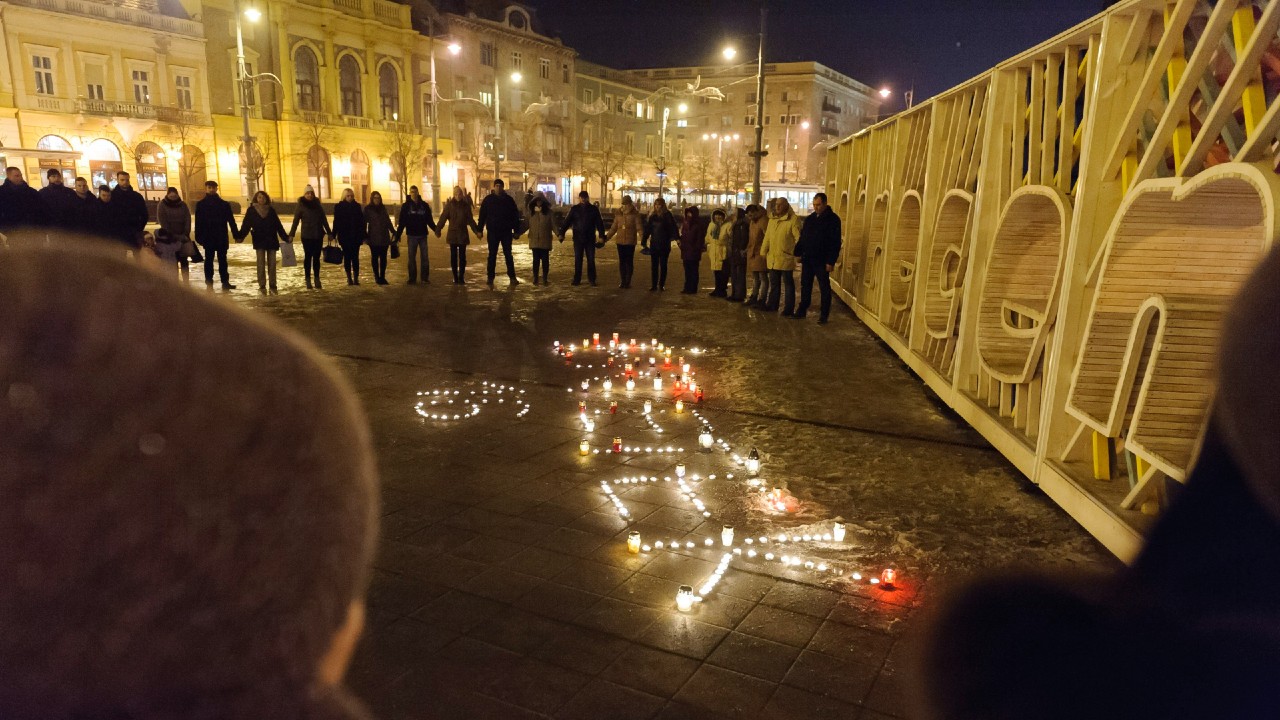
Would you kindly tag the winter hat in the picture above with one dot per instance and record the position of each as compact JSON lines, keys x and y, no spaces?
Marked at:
{"x":307,"y":189}
{"x":169,"y":548}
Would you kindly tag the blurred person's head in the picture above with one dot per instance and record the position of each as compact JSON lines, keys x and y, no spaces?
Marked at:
{"x":171,"y":549}
{"x":261,"y":198}
{"x":104,"y":192}
{"x":348,"y":195}
{"x":122,"y":178}
{"x":459,"y":193}
{"x":498,"y":186}
{"x":413,"y":193}
{"x":14,"y":175}
{"x":211,"y":188}
{"x":82,"y":186}
{"x":55,"y":176}
{"x":375,"y":198}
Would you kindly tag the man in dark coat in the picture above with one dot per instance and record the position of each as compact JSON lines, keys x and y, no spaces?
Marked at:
{"x":20,"y":204}
{"x":586,"y":222}
{"x":88,"y":207}
{"x":214,"y":220}
{"x":128,"y":212}
{"x":818,"y":249}
{"x":500,"y":220}
{"x":60,"y":203}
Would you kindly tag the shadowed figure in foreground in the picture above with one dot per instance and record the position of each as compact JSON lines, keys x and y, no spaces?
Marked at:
{"x":1192,"y":629}
{"x":189,"y":505}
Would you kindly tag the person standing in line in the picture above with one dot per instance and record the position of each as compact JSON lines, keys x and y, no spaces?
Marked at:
{"x":174,"y":217}
{"x":757,"y":265}
{"x":378,"y":230}
{"x":585,"y":221}
{"x":128,"y":211}
{"x":462,"y":222}
{"x":261,"y":221}
{"x":20,"y":204}
{"x":213,"y":220}
{"x":659,"y":230}
{"x":500,"y":220}
{"x":315,"y":226}
{"x":779,"y":245}
{"x":818,"y":249}
{"x":60,"y":203}
{"x":718,"y":252}
{"x":625,"y":231}
{"x":739,"y":233}
{"x":416,"y":221}
{"x":692,"y":243}
{"x":88,"y":207}
{"x":348,"y":225}
{"x":541,"y":231}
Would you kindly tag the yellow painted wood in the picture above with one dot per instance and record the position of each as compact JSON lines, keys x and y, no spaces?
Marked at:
{"x":1254,"y":99}
{"x":1104,"y":451}
{"x":1177,"y":68}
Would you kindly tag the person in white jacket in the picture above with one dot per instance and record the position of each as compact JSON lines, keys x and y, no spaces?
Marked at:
{"x":778,"y":248}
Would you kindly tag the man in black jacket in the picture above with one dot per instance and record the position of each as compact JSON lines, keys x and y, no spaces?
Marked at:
{"x":586,"y":222}
{"x":500,"y":220}
{"x":60,"y":203}
{"x":818,"y":249}
{"x":213,"y":220}
{"x":128,"y":212}
{"x":20,"y":204}
{"x":415,"y":220}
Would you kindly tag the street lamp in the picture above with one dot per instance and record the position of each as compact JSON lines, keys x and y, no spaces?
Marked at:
{"x":885,"y":92}
{"x":434,"y":119}
{"x":786,"y":145}
{"x":497,"y":123}
{"x":730,"y":53}
{"x":662,"y":151}
{"x":253,"y":15}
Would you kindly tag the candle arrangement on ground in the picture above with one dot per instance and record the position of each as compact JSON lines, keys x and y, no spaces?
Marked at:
{"x":455,"y":404}
{"x":678,"y":396}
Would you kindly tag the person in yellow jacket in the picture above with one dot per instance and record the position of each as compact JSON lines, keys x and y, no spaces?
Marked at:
{"x":718,"y":252}
{"x":779,"y":243}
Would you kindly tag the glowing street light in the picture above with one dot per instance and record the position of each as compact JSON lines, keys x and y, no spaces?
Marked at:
{"x":454,"y":48}
{"x":804,"y":125}
{"x":730,"y":53}
{"x":683,"y":107}
{"x":253,"y":14}
{"x":885,"y":92}
{"x":516,"y":77}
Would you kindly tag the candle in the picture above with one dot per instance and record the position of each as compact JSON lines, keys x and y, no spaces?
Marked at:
{"x":557,"y":343}
{"x":837,"y":532}
{"x":680,"y":470}
{"x":705,"y":440}
{"x":661,"y":346}
{"x":679,"y":406}
{"x":726,"y":535}
{"x":582,"y":407}
{"x":698,"y":395}
{"x":617,"y":444}
{"x":615,"y":337}
{"x":657,"y":382}
{"x":613,"y":408}
{"x":584,"y":448}
{"x":888,"y":576}
{"x":684,"y":598}
{"x":652,"y":361}
{"x":627,"y":367}
{"x":595,"y":338}
{"x":653,"y":342}
{"x":589,"y":424}
{"x":753,"y":462}
{"x":648,"y":406}
{"x":607,"y":384}
{"x":633,"y":542}
{"x":684,"y":367}
{"x":631,"y":384}
{"x":693,"y":386}
{"x":633,"y":342}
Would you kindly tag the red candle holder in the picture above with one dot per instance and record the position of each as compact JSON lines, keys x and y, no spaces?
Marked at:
{"x":617,"y":444}
{"x":613,"y":408}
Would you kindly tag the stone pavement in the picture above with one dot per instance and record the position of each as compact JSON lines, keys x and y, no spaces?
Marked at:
{"x":503,"y":587}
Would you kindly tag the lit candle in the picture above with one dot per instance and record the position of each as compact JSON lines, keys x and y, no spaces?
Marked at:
{"x":726,"y":535}
{"x":582,"y":407}
{"x":648,"y":406}
{"x":586,"y":384}
{"x":888,"y":577}
{"x":607,"y":385}
{"x":615,"y":337}
{"x":652,"y":361}
{"x":753,"y":462}
{"x":661,"y":346}
{"x":680,"y":470}
{"x":653,"y":342}
{"x":617,"y":444}
{"x":631,"y":384}
{"x":633,"y":542}
{"x":595,"y":338}
{"x":684,"y":368}
{"x":584,"y":343}
{"x":693,"y":386}
{"x":684,"y":598}
{"x":589,"y":424}
{"x":584,"y":448}
{"x":679,"y":406}
{"x":837,"y":532}
{"x":556,"y":343}
{"x":698,"y":395}
{"x":657,"y":382}
{"x":613,"y":408}
{"x":633,"y":342}
{"x":706,"y":441}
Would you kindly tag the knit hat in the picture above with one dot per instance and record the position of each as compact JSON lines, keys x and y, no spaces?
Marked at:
{"x":307,"y":189}
{"x":189,"y":508}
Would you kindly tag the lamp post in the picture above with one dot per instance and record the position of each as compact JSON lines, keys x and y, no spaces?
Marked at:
{"x":434,"y":120}
{"x":662,"y":150}
{"x":497,"y":123}
{"x":245,"y":82}
{"x":759,"y":153}
{"x":786,"y":145}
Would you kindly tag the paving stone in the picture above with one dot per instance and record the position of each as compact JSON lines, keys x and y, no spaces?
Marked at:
{"x":779,"y":625}
{"x":682,"y":569}
{"x":501,"y":584}
{"x":789,"y":703}
{"x":825,"y":675}
{"x":458,"y":611}
{"x":603,"y":699}
{"x":580,"y":649}
{"x":592,"y":576}
{"x":802,"y":599}
{"x":401,"y":594}
{"x":654,"y":671}
{"x":850,"y":643}
{"x":754,"y":656}
{"x":619,"y":617}
{"x":517,"y":631}
{"x":648,"y":590}
{"x":683,"y":635}
{"x":726,"y":692}
{"x":559,"y":602}
{"x":538,"y":562}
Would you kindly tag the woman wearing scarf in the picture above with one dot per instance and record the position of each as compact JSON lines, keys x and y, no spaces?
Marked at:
{"x":378,"y":229}
{"x":457,"y":212}
{"x":541,"y":230}
{"x":263,"y":223}
{"x":718,"y":251}
{"x":174,"y":217}
{"x":626,"y":229}
{"x":692,"y":243}
{"x":315,"y":225}
{"x":348,"y":225}
{"x":659,"y":230}
{"x":756,"y":263}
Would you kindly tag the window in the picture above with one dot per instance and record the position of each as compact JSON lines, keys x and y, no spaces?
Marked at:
{"x":726,"y":121}
{"x":586,"y":138}
{"x":306,"y":71}
{"x":252,"y":88}
{"x":349,"y":84}
{"x":782,"y":119}
{"x":751,"y":98}
{"x":183,"y":85}
{"x":588,"y":96}
{"x":648,"y":112}
{"x":544,"y":68}
{"x":43,"y":65}
{"x":608,"y":102}
{"x":389,"y":91}
{"x":95,"y":77}
{"x":141,"y":87}
{"x":640,"y":111}
{"x":630,"y":143}
{"x":767,"y":118}
{"x":488,"y":55}
{"x":649,"y":145}
{"x":486,"y":97}
{"x":749,"y":120}
{"x":622,"y":106}
{"x":517,"y":61}
{"x":681,"y":122}
{"x":564,"y":72}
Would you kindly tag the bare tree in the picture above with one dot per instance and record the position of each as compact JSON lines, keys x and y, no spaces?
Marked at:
{"x":316,"y":132}
{"x":733,"y":171}
{"x":407,"y":148}
{"x":522,"y":134}
{"x":606,"y":162}
{"x":186,"y":135}
{"x":701,"y":168}
{"x":255,"y":160}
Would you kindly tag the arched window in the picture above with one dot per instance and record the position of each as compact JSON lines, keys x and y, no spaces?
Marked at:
{"x":318,"y":171}
{"x":517,"y":19}
{"x":191,"y":166}
{"x":56,"y":160}
{"x":153,"y":176}
{"x":104,"y":162}
{"x":389,"y":91}
{"x":349,"y":83}
{"x":53,"y":142}
{"x":306,"y":70}
{"x":360,"y":175}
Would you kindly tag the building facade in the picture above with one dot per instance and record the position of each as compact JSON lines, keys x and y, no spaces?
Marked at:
{"x":617,"y":138}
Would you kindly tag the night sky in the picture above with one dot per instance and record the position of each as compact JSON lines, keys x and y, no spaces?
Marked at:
{"x":929,"y":44}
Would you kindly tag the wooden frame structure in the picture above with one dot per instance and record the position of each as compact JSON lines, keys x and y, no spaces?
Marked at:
{"x":1051,"y":245}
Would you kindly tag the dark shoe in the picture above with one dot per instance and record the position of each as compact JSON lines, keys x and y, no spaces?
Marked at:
{"x":318,"y":285}
{"x":350,"y":281}
{"x":576,"y":282}
{"x":411,"y":282}
{"x":228,"y":286}
{"x":208,"y":284}
{"x":490,"y":284}
{"x":787,"y":313}
{"x":822,"y":321}
{"x":535,"y":279}
{"x":356,"y":281}
{"x":653,"y":289}
{"x":797,"y":316}
{"x":545,"y":281}
{"x":593,"y":283}
{"x":308,"y":283}
{"x":515,"y":281}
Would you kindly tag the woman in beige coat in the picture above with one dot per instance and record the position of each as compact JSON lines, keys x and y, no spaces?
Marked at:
{"x":756,"y":263}
{"x":625,"y":231}
{"x":462,"y":222}
{"x":779,"y":243}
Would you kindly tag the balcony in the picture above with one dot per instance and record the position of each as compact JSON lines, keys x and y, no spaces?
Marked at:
{"x":52,"y":104}
{"x":357,"y":121}
{"x":132,"y":17}
{"x":112,"y":108}
{"x":384,"y":11}
{"x":830,"y":107}
{"x":829,"y":131}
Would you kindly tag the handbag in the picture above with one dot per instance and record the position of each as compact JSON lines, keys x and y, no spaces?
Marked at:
{"x":332,"y":252}
{"x":187,"y":249}
{"x":195,"y":254}
{"x":287,"y":256}
{"x":395,"y":249}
